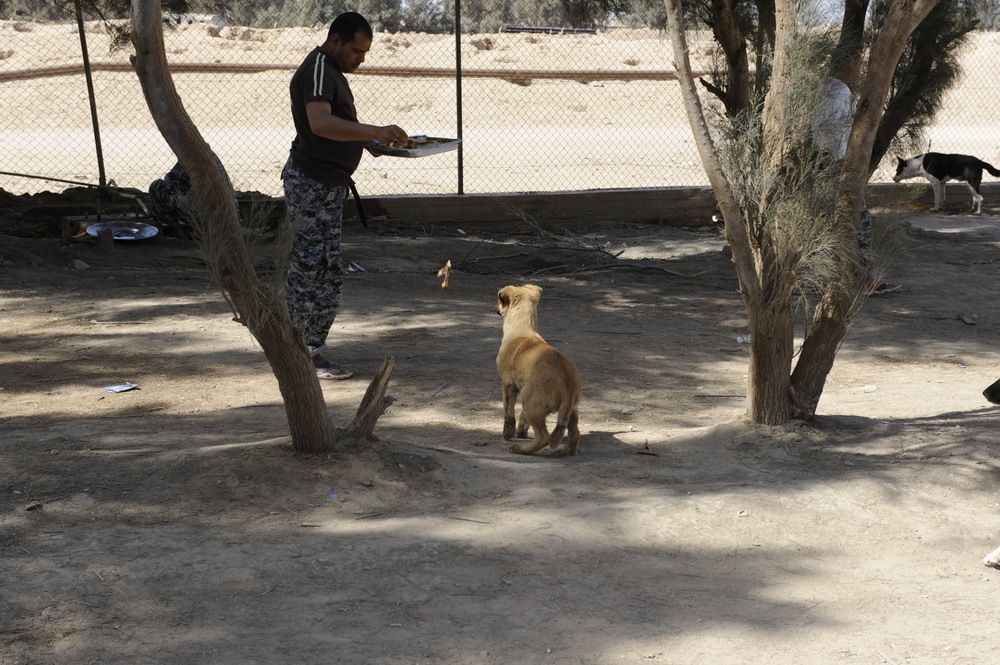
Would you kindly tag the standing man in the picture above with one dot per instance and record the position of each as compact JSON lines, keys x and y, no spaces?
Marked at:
{"x":327,"y":149}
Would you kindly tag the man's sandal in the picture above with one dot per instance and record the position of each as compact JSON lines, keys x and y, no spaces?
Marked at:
{"x":332,"y":372}
{"x":884,"y":288}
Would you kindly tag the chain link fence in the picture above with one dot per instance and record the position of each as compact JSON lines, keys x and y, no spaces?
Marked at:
{"x":537,"y":111}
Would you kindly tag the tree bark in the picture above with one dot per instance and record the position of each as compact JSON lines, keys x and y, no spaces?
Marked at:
{"x":772,"y":345}
{"x":373,"y":404}
{"x":777,"y":144}
{"x":260,"y":309}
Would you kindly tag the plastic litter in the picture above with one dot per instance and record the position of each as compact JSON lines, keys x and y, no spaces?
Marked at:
{"x":122,"y":387}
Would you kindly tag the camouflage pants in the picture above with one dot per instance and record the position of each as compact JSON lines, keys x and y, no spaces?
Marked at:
{"x":315,"y":268}
{"x":171,"y":196}
{"x":865,"y":230}
{"x":168,"y":197}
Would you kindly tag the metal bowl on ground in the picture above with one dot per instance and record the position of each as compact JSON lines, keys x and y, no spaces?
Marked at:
{"x":124,"y":230}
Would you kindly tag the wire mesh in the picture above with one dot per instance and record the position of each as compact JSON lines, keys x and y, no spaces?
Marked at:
{"x":538,"y":112}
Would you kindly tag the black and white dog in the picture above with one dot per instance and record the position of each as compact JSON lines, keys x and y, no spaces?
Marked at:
{"x":939,"y":168}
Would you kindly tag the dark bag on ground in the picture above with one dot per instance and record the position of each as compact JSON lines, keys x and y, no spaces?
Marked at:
{"x":992,"y":394}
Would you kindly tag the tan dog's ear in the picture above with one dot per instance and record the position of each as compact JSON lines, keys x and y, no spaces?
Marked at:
{"x":534,"y":292}
{"x":503,"y":301}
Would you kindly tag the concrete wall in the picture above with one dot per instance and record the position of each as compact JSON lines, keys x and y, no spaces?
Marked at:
{"x":672,"y":206}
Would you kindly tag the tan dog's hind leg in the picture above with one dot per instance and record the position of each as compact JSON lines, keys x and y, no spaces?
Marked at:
{"x":557,"y":436}
{"x":574,"y":434}
{"x":541,"y":439}
{"x":534,"y":411}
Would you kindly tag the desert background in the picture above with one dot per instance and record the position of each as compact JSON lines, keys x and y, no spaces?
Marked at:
{"x":621,"y":127}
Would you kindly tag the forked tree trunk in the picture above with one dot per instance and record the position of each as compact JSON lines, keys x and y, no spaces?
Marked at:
{"x":260,"y":309}
{"x":832,"y":317}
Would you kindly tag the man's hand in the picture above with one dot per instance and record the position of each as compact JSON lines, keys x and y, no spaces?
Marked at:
{"x":392,"y":136}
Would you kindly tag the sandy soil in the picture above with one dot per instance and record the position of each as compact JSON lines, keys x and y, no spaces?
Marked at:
{"x":173,"y":524}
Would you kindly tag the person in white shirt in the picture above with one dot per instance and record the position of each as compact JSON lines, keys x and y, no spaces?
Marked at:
{"x":831,"y":130}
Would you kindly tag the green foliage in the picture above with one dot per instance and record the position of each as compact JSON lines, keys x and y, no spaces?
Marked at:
{"x":584,"y":13}
{"x":65,"y":10}
{"x":928,"y":68}
{"x":486,"y":15}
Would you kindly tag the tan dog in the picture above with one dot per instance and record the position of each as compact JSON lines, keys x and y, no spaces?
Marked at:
{"x":546,"y":380}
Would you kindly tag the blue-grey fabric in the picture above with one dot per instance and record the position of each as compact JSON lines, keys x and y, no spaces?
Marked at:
{"x":315,"y":265}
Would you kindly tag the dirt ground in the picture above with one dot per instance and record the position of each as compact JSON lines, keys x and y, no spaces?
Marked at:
{"x":173,"y":523}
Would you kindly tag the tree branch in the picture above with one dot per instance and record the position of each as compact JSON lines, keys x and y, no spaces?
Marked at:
{"x":736,"y":231}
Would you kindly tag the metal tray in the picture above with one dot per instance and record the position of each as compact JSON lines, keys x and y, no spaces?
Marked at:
{"x":124,"y":230}
{"x":438,"y":146}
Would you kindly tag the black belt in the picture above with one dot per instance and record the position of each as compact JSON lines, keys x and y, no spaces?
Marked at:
{"x":357,"y":202}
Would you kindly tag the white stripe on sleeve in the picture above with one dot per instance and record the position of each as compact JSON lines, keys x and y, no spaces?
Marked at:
{"x":318,"y":74}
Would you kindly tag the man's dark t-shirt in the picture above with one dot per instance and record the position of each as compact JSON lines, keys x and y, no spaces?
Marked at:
{"x":323,"y":160}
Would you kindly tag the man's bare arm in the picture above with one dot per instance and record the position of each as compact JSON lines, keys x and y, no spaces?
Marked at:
{"x":324,"y":123}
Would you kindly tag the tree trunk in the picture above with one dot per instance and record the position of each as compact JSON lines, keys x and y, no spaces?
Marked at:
{"x":260,"y":309}
{"x":832,"y":317}
{"x":771,"y":325}
{"x":777,"y":110}
{"x":309,"y":422}
{"x":771,"y":349}
{"x":736,"y":231}
{"x":830,"y":325}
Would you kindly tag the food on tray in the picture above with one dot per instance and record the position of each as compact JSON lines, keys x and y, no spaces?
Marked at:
{"x":420,"y":142}
{"x":415,"y":146}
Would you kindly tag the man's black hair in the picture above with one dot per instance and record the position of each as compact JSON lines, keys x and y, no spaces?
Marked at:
{"x":347,"y":25}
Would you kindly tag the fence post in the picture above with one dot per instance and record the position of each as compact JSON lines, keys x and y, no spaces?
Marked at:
{"x":101,"y":179}
{"x":458,"y":91}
